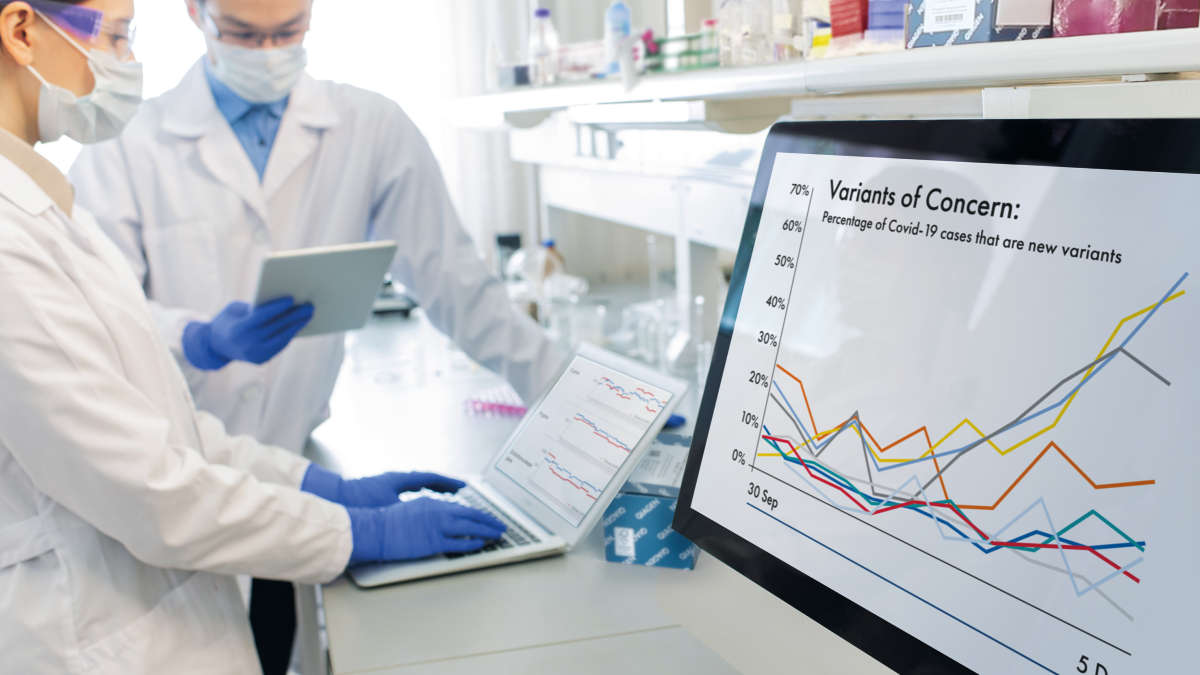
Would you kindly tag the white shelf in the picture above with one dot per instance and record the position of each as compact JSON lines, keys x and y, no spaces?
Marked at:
{"x":962,"y":66}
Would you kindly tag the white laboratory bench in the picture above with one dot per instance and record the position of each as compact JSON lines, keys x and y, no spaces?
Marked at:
{"x":400,"y":405}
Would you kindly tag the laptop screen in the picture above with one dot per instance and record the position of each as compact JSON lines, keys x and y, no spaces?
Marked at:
{"x":580,"y":436}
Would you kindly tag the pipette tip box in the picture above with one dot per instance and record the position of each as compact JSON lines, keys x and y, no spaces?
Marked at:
{"x":637,"y":525}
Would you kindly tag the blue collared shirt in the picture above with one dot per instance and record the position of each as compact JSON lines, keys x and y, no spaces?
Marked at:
{"x":254,"y":124}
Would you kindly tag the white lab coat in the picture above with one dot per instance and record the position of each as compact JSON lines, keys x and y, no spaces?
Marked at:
{"x":181,"y":199}
{"x":122,"y":509}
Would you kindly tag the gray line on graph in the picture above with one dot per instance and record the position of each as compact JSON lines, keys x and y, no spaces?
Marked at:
{"x":870,"y":480}
{"x":1029,"y":559}
{"x":867,"y":460}
{"x":1148,"y":368}
{"x":972,"y":446}
{"x":1015,"y":422}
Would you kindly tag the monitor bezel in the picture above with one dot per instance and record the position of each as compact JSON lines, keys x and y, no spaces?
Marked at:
{"x":1152,"y":145}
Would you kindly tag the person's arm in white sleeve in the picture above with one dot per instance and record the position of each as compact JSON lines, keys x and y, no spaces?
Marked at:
{"x":440,"y":267}
{"x":103,"y":187}
{"x":267,"y":463}
{"x":96,"y":444}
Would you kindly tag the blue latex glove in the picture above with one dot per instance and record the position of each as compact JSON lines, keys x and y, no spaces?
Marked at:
{"x":418,"y":529}
{"x":381,"y":490}
{"x":675,"y":421}
{"x":242,"y":333}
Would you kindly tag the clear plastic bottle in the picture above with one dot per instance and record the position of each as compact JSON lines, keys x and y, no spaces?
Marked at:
{"x":709,"y":44}
{"x":729,"y":21}
{"x":756,"y":32}
{"x":618,"y":26}
{"x":543,"y":50}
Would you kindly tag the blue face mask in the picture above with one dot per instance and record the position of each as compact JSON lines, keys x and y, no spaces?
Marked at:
{"x":102,"y":114}
{"x":258,"y":75}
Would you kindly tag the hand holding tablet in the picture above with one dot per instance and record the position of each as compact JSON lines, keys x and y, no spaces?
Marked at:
{"x":340,"y":282}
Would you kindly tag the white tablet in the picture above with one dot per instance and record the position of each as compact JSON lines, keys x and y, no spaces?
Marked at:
{"x":341,"y":282}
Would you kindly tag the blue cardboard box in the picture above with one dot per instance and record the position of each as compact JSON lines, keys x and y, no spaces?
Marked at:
{"x":637,"y":525}
{"x":934,"y":23}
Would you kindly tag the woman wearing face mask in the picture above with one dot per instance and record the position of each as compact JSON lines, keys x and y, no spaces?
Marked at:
{"x":122,"y":509}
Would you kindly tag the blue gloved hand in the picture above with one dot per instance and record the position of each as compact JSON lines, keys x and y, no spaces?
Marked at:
{"x":242,"y":333}
{"x":381,"y":490}
{"x":418,"y":529}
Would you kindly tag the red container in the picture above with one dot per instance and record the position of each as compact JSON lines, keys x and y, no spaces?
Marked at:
{"x":1092,"y":17}
{"x":849,"y":17}
{"x":1178,"y":14}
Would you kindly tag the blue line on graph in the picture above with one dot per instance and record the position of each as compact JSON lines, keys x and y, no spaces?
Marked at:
{"x":602,"y":433}
{"x":963,"y":538}
{"x":937,"y":455}
{"x":582,"y":482}
{"x":640,"y":394}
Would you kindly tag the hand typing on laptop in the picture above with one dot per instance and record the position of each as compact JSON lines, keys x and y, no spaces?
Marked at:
{"x":419,"y":529}
{"x":384,"y":528}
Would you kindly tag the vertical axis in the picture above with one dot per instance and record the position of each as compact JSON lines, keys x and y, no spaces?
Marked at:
{"x":786,"y":310}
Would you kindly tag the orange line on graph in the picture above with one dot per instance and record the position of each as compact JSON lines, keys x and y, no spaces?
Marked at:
{"x":860,"y":428}
{"x":1015,"y":483}
{"x":1081,"y":472}
{"x":937,"y":465}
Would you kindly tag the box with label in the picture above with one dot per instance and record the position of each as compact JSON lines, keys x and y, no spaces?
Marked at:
{"x":935,"y":23}
{"x":637,"y":525}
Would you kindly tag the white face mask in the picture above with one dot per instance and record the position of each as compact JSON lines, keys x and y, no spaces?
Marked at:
{"x":102,"y":114}
{"x":258,"y":75}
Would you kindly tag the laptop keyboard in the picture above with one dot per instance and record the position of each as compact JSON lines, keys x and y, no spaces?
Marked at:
{"x":513,"y":537}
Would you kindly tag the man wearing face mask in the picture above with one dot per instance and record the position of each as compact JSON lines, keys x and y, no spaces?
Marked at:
{"x":124,"y":510}
{"x":249,"y":155}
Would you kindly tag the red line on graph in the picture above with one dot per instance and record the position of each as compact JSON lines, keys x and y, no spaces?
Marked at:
{"x":1009,"y":544}
{"x":572,"y":484}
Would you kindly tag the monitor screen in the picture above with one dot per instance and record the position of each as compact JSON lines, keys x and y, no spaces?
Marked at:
{"x":949,"y":414}
{"x":580,"y":435}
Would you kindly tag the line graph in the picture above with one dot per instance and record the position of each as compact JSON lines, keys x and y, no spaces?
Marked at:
{"x":818,"y":448}
{"x":955,"y":409}
{"x":651,"y":402}
{"x":878,"y":499}
{"x":601,"y":433}
{"x":575,"y":441}
{"x":565,"y":475}
{"x":1089,"y":371}
{"x":996,"y":541}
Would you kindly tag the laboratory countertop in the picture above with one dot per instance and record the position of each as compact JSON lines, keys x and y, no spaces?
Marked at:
{"x":400,"y":404}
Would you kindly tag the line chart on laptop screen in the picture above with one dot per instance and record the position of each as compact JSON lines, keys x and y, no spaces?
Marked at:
{"x":962,"y":396}
{"x":578,"y":439}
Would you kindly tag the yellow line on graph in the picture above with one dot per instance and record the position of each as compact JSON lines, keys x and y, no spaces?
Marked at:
{"x":967,"y":422}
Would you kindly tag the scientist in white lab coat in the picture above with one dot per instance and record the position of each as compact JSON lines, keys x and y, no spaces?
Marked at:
{"x":123,"y":510}
{"x":249,"y":155}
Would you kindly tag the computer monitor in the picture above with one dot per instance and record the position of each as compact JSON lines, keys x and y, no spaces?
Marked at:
{"x":949,"y":414}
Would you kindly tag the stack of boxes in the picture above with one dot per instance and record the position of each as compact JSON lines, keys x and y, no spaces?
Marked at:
{"x":932,"y":23}
{"x":637,"y":525}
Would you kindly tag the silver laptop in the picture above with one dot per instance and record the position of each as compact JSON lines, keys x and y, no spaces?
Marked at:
{"x":560,"y":469}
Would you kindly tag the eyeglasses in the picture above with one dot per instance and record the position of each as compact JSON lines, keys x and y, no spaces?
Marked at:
{"x":257,"y":39}
{"x":90,"y":26}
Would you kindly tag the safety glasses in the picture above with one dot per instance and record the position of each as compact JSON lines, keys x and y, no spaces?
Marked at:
{"x":88,"y":25}
{"x":254,"y":39}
